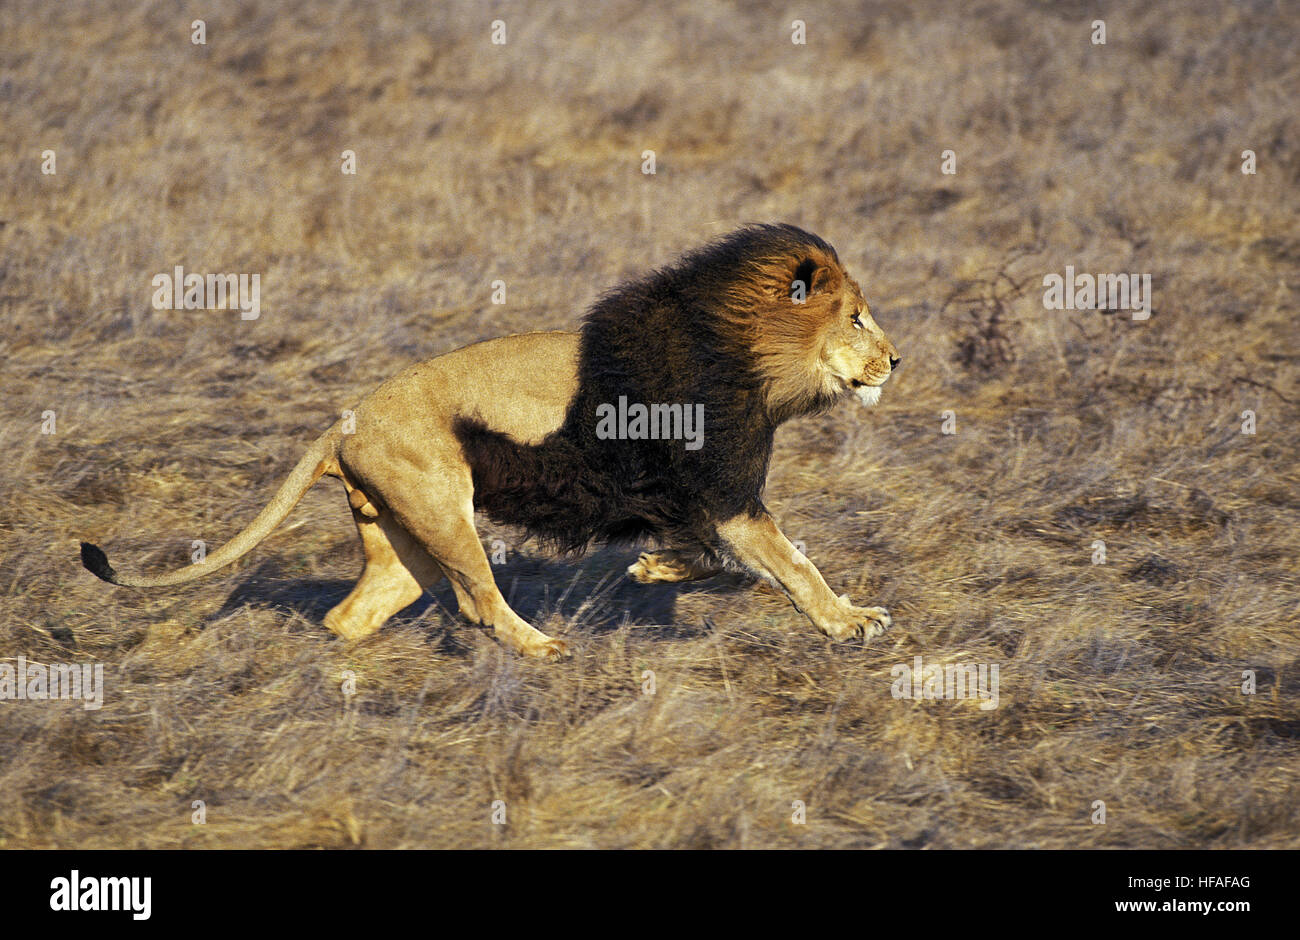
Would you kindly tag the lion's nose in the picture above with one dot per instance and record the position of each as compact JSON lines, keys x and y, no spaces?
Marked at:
{"x":894,"y":361}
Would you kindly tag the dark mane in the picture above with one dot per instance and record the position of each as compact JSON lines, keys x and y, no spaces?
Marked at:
{"x":689,"y":333}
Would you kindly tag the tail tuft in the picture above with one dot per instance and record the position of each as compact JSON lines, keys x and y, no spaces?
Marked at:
{"x":96,"y":562}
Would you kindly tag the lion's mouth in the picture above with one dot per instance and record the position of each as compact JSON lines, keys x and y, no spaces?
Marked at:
{"x":867,"y":390}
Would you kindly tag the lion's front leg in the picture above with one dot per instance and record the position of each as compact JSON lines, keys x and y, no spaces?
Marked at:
{"x":757,"y":543}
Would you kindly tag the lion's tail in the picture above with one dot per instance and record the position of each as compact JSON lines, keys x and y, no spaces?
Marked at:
{"x":314,"y":464}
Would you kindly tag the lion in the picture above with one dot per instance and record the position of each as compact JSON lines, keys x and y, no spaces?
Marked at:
{"x":756,"y":328}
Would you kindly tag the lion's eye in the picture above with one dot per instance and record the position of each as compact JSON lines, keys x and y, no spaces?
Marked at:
{"x":857,"y":321}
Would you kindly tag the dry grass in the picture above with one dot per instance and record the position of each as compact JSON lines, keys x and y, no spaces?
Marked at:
{"x":1119,"y":682}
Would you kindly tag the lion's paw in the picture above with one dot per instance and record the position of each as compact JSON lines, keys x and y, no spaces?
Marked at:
{"x":643,"y":569}
{"x":649,"y":568}
{"x":850,"y":622}
{"x":550,"y":649}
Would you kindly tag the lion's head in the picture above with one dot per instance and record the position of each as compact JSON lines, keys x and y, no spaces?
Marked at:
{"x":806,"y":322}
{"x":855,"y":353}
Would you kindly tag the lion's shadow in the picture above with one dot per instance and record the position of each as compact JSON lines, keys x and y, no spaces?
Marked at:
{"x":592,"y":593}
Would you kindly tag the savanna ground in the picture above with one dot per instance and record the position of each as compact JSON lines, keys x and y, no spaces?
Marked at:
{"x":1120,"y":682}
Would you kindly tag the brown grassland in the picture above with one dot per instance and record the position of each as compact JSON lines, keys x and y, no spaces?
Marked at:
{"x":1119,"y":682}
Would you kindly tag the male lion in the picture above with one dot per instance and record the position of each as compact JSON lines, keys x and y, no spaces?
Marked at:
{"x":758,"y":327}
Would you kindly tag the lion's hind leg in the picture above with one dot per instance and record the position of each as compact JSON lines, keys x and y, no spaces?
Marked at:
{"x":443,"y":524}
{"x":397,"y":572}
{"x":671,"y":566}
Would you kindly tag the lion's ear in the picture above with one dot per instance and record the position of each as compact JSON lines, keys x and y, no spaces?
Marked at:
{"x":810,"y":277}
